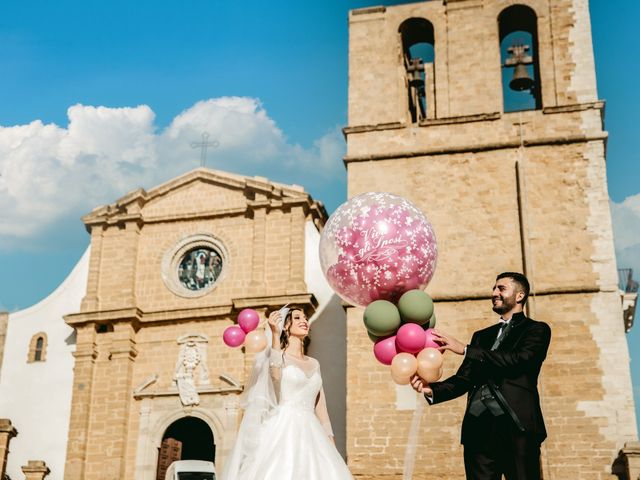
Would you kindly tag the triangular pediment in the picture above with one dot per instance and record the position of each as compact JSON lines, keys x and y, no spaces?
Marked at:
{"x":199,"y":192}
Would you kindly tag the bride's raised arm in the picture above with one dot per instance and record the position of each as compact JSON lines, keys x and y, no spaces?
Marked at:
{"x":276,"y":360}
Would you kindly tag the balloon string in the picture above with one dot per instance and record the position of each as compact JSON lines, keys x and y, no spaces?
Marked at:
{"x":412,"y":441}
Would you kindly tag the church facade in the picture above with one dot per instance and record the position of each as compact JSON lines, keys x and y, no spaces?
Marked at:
{"x":146,"y":378}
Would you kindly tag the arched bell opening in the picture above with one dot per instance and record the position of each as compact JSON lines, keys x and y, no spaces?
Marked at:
{"x":518,"y":29}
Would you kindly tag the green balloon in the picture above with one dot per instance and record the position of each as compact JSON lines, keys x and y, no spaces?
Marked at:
{"x":432,"y":321}
{"x":415,"y":307}
{"x":381,"y":318}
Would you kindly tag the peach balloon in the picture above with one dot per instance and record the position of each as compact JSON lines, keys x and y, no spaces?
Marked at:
{"x":400,"y":380}
{"x":429,"y":375}
{"x":255,"y":341}
{"x":403,"y":367}
{"x":429,"y":360}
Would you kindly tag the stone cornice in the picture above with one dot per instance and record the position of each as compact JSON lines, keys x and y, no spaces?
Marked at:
{"x":307,"y":300}
{"x":480,"y":147}
{"x":368,"y":10}
{"x":269,"y":194}
{"x":474,"y":296}
{"x":7,"y":428}
{"x":481,"y":117}
{"x":201,"y":391}
{"x":139,"y":318}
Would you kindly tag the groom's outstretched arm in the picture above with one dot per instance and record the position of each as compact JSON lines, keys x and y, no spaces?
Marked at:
{"x":452,"y":387}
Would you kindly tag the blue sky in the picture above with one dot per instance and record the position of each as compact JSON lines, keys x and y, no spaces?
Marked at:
{"x":277,"y":69}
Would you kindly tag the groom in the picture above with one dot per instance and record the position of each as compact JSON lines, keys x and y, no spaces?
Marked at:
{"x":503,"y":426}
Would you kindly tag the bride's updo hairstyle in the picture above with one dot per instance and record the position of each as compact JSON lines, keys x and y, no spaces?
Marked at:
{"x":286,"y":329}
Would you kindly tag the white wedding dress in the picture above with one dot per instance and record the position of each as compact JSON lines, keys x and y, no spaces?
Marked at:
{"x":292,"y":440}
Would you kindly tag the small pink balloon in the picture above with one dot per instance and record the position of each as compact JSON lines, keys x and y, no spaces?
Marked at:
{"x":430,"y":339}
{"x":385,"y":349}
{"x":233,"y":336}
{"x":410,"y":338}
{"x":248,"y":320}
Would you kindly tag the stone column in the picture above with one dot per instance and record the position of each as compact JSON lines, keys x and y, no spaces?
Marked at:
{"x":83,"y":373}
{"x":296,"y":284}
{"x":627,"y":465}
{"x":106,"y":456}
{"x":35,"y":470}
{"x":258,"y":266}
{"x":7,"y":432}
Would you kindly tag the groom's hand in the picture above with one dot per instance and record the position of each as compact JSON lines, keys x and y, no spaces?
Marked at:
{"x":421,"y":386}
{"x":447,"y":342}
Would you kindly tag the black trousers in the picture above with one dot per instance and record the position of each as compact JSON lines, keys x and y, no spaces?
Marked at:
{"x":499,"y":449}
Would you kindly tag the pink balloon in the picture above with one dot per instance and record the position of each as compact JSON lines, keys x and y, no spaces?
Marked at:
{"x":377,"y":246}
{"x":248,"y":320}
{"x":385,"y":349}
{"x":430,"y":339}
{"x":233,"y":336}
{"x":410,"y":338}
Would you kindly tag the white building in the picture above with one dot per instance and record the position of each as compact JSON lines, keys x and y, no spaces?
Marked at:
{"x":36,"y":376}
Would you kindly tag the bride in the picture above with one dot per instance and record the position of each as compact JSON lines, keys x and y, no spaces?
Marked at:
{"x":285,"y":433}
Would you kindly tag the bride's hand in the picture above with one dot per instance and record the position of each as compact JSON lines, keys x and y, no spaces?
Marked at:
{"x":273,"y":321}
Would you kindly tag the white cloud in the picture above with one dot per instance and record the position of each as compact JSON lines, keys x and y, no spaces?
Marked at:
{"x":626,"y":233}
{"x":50,"y":174}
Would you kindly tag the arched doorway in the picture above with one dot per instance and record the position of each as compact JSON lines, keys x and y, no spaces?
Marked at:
{"x":188,"y":438}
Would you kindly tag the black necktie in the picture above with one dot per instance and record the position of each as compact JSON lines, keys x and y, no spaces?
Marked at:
{"x":504,"y":329}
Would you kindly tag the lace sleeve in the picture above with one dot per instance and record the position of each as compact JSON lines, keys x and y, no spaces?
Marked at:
{"x":276,"y":362}
{"x":322,"y":413}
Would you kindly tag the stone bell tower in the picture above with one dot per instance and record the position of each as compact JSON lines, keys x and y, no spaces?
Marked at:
{"x":485,"y":114}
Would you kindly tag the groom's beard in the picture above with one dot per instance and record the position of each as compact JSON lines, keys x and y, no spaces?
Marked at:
{"x":503,"y":304}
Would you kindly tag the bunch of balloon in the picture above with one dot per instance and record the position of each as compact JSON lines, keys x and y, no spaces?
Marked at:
{"x":246,"y":332}
{"x":379,"y":251}
{"x":403,"y":338}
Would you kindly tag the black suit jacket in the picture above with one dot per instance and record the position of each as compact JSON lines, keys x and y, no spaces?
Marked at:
{"x":511,"y":371}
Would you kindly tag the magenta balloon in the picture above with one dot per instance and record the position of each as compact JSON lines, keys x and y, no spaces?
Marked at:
{"x":430,"y":339}
{"x":385,"y":349}
{"x":233,"y":336}
{"x":410,"y":338}
{"x":377,"y":246}
{"x":248,"y":320}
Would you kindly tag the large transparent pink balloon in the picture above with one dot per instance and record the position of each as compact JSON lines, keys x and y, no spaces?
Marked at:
{"x":377,"y":246}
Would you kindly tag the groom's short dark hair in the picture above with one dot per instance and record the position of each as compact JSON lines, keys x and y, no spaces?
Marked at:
{"x":521,"y":280}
